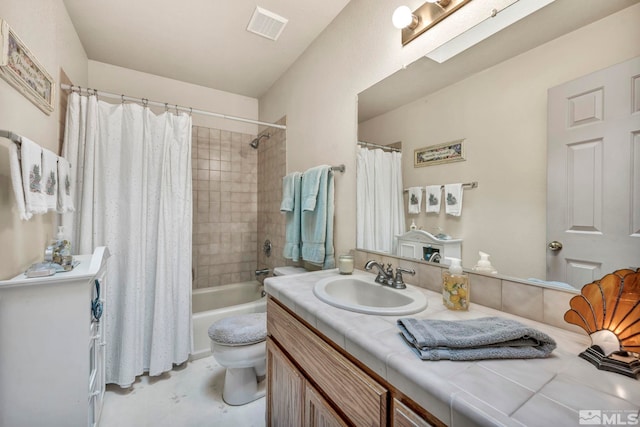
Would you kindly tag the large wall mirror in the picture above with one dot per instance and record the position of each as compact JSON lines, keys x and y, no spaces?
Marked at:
{"x":494,"y":96}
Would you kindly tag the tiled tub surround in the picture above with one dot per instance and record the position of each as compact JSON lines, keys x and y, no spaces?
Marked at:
{"x":272,"y":166}
{"x":534,"y":302}
{"x":225,"y":207}
{"x":538,"y":392}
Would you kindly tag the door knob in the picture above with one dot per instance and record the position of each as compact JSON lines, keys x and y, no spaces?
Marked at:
{"x":555,"y":245}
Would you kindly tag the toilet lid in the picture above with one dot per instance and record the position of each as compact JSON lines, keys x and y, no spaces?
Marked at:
{"x":243,"y":329}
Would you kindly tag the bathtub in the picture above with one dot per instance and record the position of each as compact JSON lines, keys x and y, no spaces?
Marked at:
{"x":211,"y":304}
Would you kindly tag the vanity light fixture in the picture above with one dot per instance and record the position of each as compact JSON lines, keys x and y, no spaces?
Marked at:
{"x":426,"y":16}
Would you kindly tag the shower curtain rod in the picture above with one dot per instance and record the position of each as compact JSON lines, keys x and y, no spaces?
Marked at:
{"x":384,"y":147}
{"x":145,"y":101}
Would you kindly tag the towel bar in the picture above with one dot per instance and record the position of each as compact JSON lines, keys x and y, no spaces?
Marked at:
{"x":473,"y":184}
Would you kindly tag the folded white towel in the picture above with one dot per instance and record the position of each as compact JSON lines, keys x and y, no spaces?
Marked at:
{"x":453,"y":199}
{"x":415,"y":200}
{"x":65,"y":186}
{"x":32,"y":181}
{"x":433,"y":193}
{"x":50,"y":178}
{"x":16,"y":182}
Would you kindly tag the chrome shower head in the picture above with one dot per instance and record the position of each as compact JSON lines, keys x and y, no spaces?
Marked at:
{"x":256,"y":142}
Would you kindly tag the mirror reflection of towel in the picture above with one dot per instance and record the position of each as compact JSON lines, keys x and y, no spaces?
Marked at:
{"x":433,"y":198}
{"x":415,"y":200}
{"x":453,"y":199}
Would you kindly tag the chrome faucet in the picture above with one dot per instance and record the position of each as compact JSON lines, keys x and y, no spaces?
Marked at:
{"x":385,"y":276}
{"x":398,"y":282}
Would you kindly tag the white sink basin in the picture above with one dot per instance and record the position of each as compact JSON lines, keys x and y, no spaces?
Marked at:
{"x":363,"y":295}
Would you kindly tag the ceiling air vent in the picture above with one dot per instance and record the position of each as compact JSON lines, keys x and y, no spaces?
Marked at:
{"x":266,"y":24}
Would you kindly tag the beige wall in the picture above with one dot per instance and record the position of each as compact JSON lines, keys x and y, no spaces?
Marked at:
{"x":45,"y":28}
{"x":318,"y":94}
{"x":502,"y":113}
{"x":271,"y":222}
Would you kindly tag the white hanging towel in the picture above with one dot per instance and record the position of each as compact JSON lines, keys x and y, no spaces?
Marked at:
{"x":433,"y":193}
{"x":65,"y":187}
{"x":50,"y":178}
{"x":453,"y":199}
{"x":16,"y":181}
{"x":32,"y":179}
{"x":415,"y":200}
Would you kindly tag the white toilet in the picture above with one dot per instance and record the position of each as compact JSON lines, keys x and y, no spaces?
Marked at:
{"x":238,"y":343}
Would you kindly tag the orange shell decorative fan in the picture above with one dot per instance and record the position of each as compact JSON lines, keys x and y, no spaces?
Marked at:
{"x":609,"y":311}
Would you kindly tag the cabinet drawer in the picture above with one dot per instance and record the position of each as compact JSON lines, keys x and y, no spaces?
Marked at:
{"x":405,"y":417}
{"x":350,"y":389}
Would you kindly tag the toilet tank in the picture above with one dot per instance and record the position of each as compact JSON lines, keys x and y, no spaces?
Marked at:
{"x":285,"y":271}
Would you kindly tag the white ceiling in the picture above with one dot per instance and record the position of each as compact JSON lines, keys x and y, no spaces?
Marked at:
{"x":203,"y":42}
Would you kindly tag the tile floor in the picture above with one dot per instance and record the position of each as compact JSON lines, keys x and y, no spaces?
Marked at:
{"x":188,"y":396}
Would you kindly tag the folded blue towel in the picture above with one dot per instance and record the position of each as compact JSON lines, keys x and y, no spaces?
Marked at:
{"x":311,"y":186}
{"x":475,"y":339}
{"x":293,"y":211}
{"x":317,"y":223}
{"x":288,"y":191}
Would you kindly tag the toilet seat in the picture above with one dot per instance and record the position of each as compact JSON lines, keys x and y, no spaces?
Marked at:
{"x":244,"y":329}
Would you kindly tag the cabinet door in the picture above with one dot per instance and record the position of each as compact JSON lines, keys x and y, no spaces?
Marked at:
{"x":318,"y":412}
{"x":405,"y":417}
{"x":362,"y":399}
{"x":285,"y":389}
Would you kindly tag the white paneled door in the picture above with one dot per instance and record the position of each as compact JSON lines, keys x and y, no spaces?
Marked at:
{"x":593,"y":175}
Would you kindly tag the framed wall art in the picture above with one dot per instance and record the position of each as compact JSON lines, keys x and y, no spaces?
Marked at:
{"x":21,"y":69}
{"x":438,"y":154}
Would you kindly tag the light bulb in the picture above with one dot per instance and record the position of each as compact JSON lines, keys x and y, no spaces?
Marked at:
{"x":402,"y":17}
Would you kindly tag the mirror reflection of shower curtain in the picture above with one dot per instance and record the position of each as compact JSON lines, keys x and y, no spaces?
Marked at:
{"x":379,"y":200}
{"x":133,"y":195}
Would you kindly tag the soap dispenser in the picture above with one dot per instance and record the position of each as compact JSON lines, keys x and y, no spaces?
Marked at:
{"x":484,"y":265}
{"x":455,"y":286}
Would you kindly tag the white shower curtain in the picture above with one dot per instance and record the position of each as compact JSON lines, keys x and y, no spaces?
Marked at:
{"x":379,"y":201}
{"x":133,"y":194}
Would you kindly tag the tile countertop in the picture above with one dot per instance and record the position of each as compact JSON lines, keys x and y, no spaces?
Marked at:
{"x":532,"y":392}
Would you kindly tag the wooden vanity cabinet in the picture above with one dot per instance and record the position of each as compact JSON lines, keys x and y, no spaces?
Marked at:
{"x":311,"y":383}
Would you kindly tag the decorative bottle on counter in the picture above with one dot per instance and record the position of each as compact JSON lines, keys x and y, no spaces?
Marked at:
{"x":455,"y":287}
